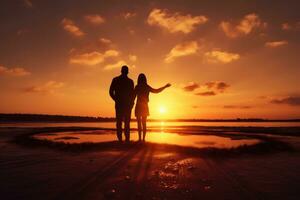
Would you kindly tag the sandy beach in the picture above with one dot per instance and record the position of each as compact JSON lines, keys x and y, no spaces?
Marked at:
{"x":35,"y":168}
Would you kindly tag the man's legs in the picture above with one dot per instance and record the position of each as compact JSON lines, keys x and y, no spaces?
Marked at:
{"x":127,"y":125}
{"x":119,"y":119}
{"x":119,"y":128}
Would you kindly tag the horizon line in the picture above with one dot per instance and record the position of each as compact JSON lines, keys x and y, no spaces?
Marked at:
{"x":159,"y":119}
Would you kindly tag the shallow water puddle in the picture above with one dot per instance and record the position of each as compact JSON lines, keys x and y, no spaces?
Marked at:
{"x":198,"y":141}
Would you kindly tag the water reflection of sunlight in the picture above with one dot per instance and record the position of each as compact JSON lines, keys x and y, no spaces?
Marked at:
{"x":161,"y":137}
{"x":162,"y":126}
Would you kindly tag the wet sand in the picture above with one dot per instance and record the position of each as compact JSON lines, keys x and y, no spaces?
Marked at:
{"x":41,"y":169}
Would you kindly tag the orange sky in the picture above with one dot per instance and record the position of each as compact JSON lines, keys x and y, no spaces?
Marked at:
{"x":224,"y":60}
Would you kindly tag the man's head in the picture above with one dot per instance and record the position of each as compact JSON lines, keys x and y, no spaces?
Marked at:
{"x":124,"y":70}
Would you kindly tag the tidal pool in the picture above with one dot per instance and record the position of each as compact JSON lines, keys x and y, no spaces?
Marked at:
{"x":198,"y":141}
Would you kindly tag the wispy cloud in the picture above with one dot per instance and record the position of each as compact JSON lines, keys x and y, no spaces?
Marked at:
{"x":210,"y":88}
{"x":117,"y":65}
{"x":175,"y":22}
{"x":221,"y":57}
{"x":290,"y":26}
{"x":286,"y":26}
{"x":207,"y":93}
{"x":22,"y":31}
{"x":48,"y":87}
{"x":180,"y":50}
{"x":191,"y":86}
{"x":15,"y":71}
{"x":237,"y":107}
{"x":128,"y":15}
{"x":92,"y":58}
{"x":275,"y":44}
{"x":105,"y":41}
{"x":71,"y":27}
{"x":290,"y":100}
{"x":132,"y":58}
{"x":94,"y":19}
{"x":246,"y":25}
{"x":219,"y":86}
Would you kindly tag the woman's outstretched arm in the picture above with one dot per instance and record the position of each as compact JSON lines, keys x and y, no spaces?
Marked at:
{"x":159,"y":89}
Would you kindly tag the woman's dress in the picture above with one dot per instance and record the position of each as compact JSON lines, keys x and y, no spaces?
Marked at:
{"x":142,"y":94}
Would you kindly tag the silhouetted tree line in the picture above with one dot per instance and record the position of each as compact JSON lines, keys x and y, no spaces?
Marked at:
{"x":65,"y":118}
{"x":50,"y":118}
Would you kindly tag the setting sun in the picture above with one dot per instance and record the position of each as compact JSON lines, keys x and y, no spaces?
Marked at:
{"x":162,"y":110}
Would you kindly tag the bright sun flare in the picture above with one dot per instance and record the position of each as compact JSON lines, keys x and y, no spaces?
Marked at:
{"x":162,"y":110}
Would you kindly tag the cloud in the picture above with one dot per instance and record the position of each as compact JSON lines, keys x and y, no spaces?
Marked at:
{"x":92,"y":58}
{"x":191,"y":86}
{"x":210,"y":88}
{"x":207,"y":93}
{"x":70,"y":27}
{"x":210,"y":85}
{"x":94,"y":19}
{"x":286,"y":26}
{"x":118,"y":65}
{"x":175,"y":22}
{"x":128,"y":15}
{"x":132,"y":58}
{"x":15,"y":71}
{"x":218,"y":86}
{"x":180,"y":50}
{"x":221,"y":57}
{"x":275,"y":44}
{"x":48,"y":87}
{"x":111,"y":53}
{"x":221,"y":86}
{"x":236,"y":107}
{"x":244,"y":27}
{"x":291,"y":100}
{"x":131,"y":30}
{"x":28,"y":3}
{"x":290,"y":26}
{"x":105,"y":41}
{"x":22,"y":32}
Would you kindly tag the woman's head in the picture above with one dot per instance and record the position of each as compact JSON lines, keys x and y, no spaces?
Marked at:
{"x":142,"y":80}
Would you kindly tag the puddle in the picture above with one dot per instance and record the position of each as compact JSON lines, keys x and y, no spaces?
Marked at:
{"x":198,"y":141}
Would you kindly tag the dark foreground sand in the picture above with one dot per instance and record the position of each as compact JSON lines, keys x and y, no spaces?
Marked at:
{"x":31,"y":169}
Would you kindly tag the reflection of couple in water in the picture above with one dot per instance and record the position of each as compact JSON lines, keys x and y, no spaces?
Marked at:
{"x":123,"y":92}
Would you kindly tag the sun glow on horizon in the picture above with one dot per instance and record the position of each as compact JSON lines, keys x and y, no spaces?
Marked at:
{"x":162,"y":110}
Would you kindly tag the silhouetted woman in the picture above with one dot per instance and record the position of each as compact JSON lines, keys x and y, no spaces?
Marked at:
{"x":142,"y":91}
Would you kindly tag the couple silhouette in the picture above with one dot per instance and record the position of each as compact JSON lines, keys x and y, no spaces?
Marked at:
{"x":123,"y":92}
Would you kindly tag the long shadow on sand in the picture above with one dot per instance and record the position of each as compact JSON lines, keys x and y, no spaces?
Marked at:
{"x":101,"y":183}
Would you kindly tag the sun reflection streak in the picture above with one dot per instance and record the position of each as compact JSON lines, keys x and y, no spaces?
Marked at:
{"x":162,"y":126}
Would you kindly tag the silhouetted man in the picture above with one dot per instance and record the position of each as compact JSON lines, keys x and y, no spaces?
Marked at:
{"x":121,"y":91}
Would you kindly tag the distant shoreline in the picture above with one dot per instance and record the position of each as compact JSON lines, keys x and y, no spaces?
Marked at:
{"x":35,"y":118}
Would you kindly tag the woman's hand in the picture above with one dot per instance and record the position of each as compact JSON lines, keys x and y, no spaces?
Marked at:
{"x":167,"y":85}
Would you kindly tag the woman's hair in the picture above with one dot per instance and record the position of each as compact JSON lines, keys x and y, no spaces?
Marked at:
{"x":142,"y":80}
